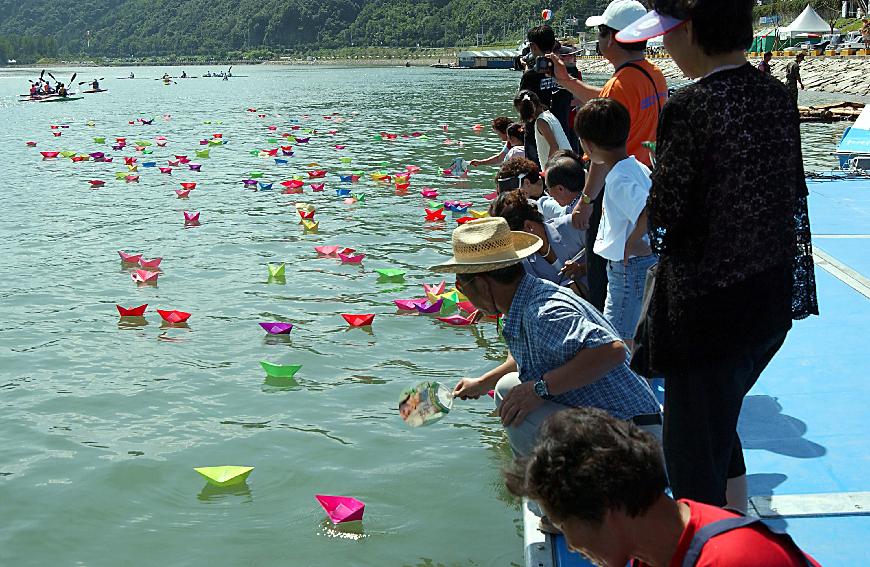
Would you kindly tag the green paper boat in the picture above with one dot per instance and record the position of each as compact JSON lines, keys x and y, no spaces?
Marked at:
{"x":433,"y":204}
{"x":206,"y":121}
{"x":255,"y":152}
{"x":67,"y":154}
{"x":215,"y":142}
{"x":203,"y":154}
{"x":256,"y":174}
{"x":225,"y":475}
{"x":271,"y":140}
{"x":280,"y":370}
{"x":361,"y":197}
{"x":384,"y":164}
{"x":276,"y":270}
{"x":99,"y":140}
{"x":147,"y":152}
{"x":345,"y":159}
{"x":391,"y":274}
{"x":121,"y":175}
{"x":143,"y":143}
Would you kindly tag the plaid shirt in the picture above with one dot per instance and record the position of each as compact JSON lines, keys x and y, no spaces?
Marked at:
{"x":548,"y":325}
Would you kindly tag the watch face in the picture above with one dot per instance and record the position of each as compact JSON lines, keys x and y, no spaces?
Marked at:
{"x":541,"y":389}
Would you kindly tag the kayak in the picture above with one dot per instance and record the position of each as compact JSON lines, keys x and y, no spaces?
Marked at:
{"x":59,"y":99}
{"x":42,"y":95}
{"x":95,"y":91}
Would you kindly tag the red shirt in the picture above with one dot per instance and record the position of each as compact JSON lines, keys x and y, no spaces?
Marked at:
{"x":751,"y":546}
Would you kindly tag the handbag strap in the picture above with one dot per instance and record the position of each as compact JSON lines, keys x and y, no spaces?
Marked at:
{"x":713,"y":529}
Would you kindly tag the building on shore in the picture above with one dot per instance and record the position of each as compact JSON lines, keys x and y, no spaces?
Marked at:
{"x":493,"y":59}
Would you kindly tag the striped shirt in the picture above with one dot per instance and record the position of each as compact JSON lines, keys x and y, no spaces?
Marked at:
{"x":548,"y":325}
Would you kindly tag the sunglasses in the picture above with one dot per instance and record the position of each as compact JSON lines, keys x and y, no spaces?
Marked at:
{"x":510,"y":183}
{"x":462,"y":281}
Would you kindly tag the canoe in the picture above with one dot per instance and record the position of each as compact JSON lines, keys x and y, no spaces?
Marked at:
{"x":92,"y":91}
{"x":60,"y":99}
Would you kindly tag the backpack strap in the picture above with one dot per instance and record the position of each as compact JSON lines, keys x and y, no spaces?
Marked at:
{"x":655,"y":87}
{"x":713,"y":529}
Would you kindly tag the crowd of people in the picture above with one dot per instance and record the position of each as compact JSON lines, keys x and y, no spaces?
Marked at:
{"x":613,"y":265}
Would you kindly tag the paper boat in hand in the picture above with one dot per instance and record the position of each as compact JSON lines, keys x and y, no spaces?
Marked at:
{"x":191,"y":217}
{"x":349,"y":258}
{"x":129,"y":258}
{"x":276,"y":270}
{"x":341,"y":509}
{"x":183,"y":193}
{"x":391,"y":274}
{"x":459,"y":320}
{"x":225,"y":475}
{"x":409,"y":304}
{"x":428,"y":307}
{"x":174,"y":316}
{"x":131,"y":311}
{"x":144,"y":276}
{"x":434,"y":215}
{"x":277,"y":328}
{"x":280,"y":370}
{"x":317,"y":173}
{"x":363,"y":320}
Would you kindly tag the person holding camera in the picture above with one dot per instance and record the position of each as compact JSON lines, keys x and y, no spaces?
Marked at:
{"x":542,"y":40}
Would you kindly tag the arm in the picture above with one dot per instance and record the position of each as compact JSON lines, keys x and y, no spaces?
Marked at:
{"x":587,"y":366}
{"x":576,"y":87}
{"x":490,"y":160}
{"x":476,"y":387}
{"x":594,"y":184}
{"x":547,"y":132}
{"x":635,"y":246}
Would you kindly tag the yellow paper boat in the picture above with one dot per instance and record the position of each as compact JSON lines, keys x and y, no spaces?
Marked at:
{"x":225,"y":475}
{"x":310,"y":225}
{"x":133,"y":167}
{"x":478,"y":214}
{"x":307,"y":207}
{"x":313,"y":164}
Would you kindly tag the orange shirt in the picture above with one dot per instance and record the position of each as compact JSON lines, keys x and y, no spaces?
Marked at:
{"x":635,"y":91}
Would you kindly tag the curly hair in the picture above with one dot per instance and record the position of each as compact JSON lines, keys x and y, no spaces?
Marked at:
{"x":588,"y":462}
{"x":516,"y":166}
{"x":501,"y":123}
{"x":515,"y":208}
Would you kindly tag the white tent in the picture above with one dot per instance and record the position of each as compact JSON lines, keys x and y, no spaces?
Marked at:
{"x":808,"y":22}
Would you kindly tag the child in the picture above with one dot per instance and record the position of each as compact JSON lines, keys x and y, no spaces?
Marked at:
{"x":499,"y":126}
{"x":603,"y":126}
{"x":516,"y":134}
{"x":525,"y":175}
{"x":549,"y":135}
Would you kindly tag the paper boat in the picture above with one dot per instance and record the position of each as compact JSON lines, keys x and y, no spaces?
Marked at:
{"x":341,"y":509}
{"x":195,"y":166}
{"x":429,"y":193}
{"x":132,"y":179}
{"x":434,"y":215}
{"x":491,"y":196}
{"x":342,"y":192}
{"x":129,"y":258}
{"x":310,"y":225}
{"x":152,"y":264}
{"x":459,"y":320}
{"x":434,"y":289}
{"x":317,"y":173}
{"x":97,"y":182}
{"x":302,"y":140}
{"x":133,"y":168}
{"x":166,"y":170}
{"x":466,"y":306}
{"x":202,"y":154}
{"x":57,"y":134}
{"x":131,"y":311}
{"x":463,"y":220}
{"x":280,"y":370}
{"x":277,"y":328}
{"x":359,"y":320}
{"x":292,"y":184}
{"x":171,"y":163}
{"x":354,"y":178}
{"x":225,"y":475}
{"x":429,"y":307}
{"x":189,"y":185}
{"x":327,"y":250}
{"x":412,"y":168}
{"x":349,"y":258}
{"x":191,"y":217}
{"x":342,"y":178}
{"x":182,"y":193}
{"x":144,"y":276}
{"x":478,"y":214}
{"x":49,"y":155}
{"x":391,"y":273}
{"x":317,"y":187}
{"x":402,"y":186}
{"x":276,"y":270}
{"x":409,"y":304}
{"x":265,"y":186}
{"x":174,"y":316}
{"x":280,"y":161}
{"x":306,"y":215}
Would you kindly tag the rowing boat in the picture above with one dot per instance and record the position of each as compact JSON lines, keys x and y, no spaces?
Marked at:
{"x":57,"y":99}
{"x":92,"y":91}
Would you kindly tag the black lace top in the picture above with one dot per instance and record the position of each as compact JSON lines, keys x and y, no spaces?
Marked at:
{"x":728,"y":218}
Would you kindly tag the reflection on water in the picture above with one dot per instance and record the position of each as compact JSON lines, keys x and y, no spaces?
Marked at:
{"x":211,"y":493}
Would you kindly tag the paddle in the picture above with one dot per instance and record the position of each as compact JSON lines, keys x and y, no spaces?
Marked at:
{"x":83,"y":82}
{"x":52,"y":77}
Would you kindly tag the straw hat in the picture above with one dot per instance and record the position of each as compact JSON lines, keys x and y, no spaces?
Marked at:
{"x":487,"y":244}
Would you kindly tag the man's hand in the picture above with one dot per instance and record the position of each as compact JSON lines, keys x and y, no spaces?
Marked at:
{"x":469,"y":388}
{"x":518,"y":404}
{"x":560,"y":71}
{"x":573,"y":269}
{"x":580,"y":217}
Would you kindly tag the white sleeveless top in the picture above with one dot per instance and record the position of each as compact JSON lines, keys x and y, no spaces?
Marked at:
{"x":558,"y":134}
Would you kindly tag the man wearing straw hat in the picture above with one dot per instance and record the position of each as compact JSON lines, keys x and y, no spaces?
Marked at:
{"x":563,"y":353}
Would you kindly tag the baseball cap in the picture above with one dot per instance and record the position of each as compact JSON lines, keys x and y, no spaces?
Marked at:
{"x":618,"y":15}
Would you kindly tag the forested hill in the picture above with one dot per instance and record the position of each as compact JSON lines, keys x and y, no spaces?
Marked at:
{"x":123,"y":28}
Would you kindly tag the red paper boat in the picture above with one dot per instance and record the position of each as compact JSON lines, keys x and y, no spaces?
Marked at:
{"x":272,"y":128}
{"x":30,"y":144}
{"x":57,"y":134}
{"x":129,"y":258}
{"x":317,"y":187}
{"x":97,"y":182}
{"x":182,"y":193}
{"x":54,"y":126}
{"x":286,"y":148}
{"x":191,"y":217}
{"x":179,"y":157}
{"x":217,"y":136}
{"x":327,"y":250}
{"x":402,"y":186}
{"x":144,"y":276}
{"x":189,"y":185}
{"x":317,"y":173}
{"x":121,"y":141}
{"x":308,"y":215}
{"x":491,"y":196}
{"x":132,"y":311}
{"x":359,"y":320}
{"x":341,"y":509}
{"x":293,"y":191}
{"x":459,"y":320}
{"x":77,"y":159}
{"x":132,"y":179}
{"x":49,"y":155}
{"x":271,"y":153}
{"x":174,"y":316}
{"x":129,"y":160}
{"x":436,"y":215}
{"x":351,"y":259}
{"x":409,"y":304}
{"x":429,"y":193}
{"x":354,"y":178}
{"x":166,"y":170}
{"x":173,"y":163}
{"x":151,"y":264}
{"x":466,"y":306}
{"x":464,"y":220}
{"x":292,"y":184}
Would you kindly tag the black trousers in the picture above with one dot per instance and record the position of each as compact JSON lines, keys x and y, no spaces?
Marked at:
{"x":596,"y":266}
{"x":702,"y":405}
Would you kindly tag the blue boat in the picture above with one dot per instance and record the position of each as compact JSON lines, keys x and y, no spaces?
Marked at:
{"x":342,"y":192}
{"x":149,"y":164}
{"x":279,"y":161}
{"x":264,"y":186}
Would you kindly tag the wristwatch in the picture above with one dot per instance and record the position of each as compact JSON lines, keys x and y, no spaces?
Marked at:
{"x":541,"y":390}
{"x":585,"y":198}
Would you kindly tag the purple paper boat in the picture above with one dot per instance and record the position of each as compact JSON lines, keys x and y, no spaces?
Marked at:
{"x":194,"y":166}
{"x":341,"y":509}
{"x":430,"y":307}
{"x":97,"y":155}
{"x":277,"y":328}
{"x":249,"y":182}
{"x":409,"y":304}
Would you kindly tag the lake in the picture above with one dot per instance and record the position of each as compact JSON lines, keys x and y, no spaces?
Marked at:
{"x":103,"y":420}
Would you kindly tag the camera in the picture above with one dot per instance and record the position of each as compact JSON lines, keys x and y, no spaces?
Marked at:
{"x":543,"y":65}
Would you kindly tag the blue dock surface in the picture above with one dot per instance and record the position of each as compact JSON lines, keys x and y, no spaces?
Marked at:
{"x":805,"y":424}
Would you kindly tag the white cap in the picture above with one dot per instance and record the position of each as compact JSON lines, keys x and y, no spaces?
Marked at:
{"x":618,"y":15}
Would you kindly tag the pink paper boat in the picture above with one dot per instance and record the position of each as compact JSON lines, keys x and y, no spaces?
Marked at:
{"x":191,"y":217}
{"x":277,"y":328}
{"x":327,"y":250}
{"x":173,"y":163}
{"x":429,"y":193}
{"x":317,"y":173}
{"x":166,"y":170}
{"x":341,"y":509}
{"x":491,"y":393}
{"x":436,"y":289}
{"x":412,"y":168}
{"x":351,"y":259}
{"x":491,"y":196}
{"x":30,"y":144}
{"x":129,"y":258}
{"x":144,"y":276}
{"x":429,"y":308}
{"x":182,"y":193}
{"x":317,"y":187}
{"x":154,"y":263}
{"x":189,"y":185}
{"x":131,"y":311}
{"x":466,"y":306}
{"x":182,"y":159}
{"x":459,"y":320}
{"x":355,"y":320}
{"x":409,"y":304}
{"x":132,"y":179}
{"x":174,"y":316}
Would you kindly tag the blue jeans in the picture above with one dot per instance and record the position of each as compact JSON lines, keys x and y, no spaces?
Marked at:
{"x":625,"y":293}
